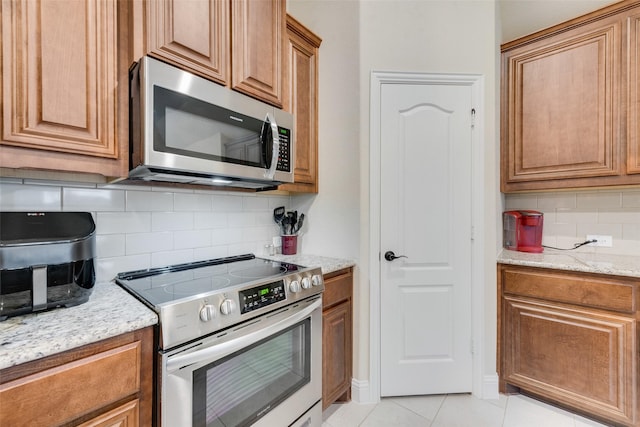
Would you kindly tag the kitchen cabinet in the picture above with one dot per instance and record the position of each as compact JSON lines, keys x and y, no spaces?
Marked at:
{"x":301,"y":99}
{"x":237,"y":43}
{"x":570,"y":338}
{"x":566,"y":121}
{"x":64,"y":104}
{"x":102,"y":384}
{"x":337,"y":337}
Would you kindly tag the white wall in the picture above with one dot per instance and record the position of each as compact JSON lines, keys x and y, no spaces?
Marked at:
{"x":400,"y":35}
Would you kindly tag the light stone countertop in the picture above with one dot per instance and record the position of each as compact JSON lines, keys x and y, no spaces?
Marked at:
{"x":618,"y":265}
{"x":110,"y":311}
{"x":326,"y":264}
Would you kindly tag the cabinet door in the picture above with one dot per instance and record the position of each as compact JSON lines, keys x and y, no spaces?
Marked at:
{"x":561,"y":96}
{"x":581,"y":358}
{"x":125,"y":415}
{"x":63,"y":108}
{"x":301,"y":99}
{"x":192,"y":34}
{"x":258,"y":31}
{"x":633,"y":80}
{"x":336,"y":352}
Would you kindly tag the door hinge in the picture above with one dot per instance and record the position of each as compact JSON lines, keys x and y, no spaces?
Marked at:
{"x":473,"y":118}
{"x":473,"y":233}
{"x":471,"y":345}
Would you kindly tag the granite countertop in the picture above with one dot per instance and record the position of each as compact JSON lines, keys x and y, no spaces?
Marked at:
{"x":618,"y":265}
{"x":326,"y":264}
{"x":110,"y":311}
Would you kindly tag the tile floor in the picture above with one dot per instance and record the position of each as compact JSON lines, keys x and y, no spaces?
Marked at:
{"x":455,"y":410}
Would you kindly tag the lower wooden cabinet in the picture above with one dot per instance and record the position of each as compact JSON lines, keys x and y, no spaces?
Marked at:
{"x":109,"y":383}
{"x":570,"y":338}
{"x":337,"y":337}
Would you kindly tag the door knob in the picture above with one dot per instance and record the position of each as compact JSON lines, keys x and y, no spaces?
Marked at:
{"x":390,"y":256}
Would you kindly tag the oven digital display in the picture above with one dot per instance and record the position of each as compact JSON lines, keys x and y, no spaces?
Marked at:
{"x":261,"y":296}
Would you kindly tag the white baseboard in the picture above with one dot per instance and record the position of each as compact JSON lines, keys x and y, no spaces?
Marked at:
{"x":490,"y":387}
{"x":361,"y":392}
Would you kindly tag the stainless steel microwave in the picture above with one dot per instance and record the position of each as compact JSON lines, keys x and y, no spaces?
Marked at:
{"x":186,"y":129}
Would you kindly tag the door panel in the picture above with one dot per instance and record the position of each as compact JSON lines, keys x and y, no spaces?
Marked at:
{"x":426,"y":216}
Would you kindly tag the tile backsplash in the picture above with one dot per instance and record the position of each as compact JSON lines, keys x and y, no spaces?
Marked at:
{"x":139,"y":227}
{"x":570,"y":216}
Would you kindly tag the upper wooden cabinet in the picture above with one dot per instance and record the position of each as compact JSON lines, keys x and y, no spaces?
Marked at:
{"x":567,"y":120}
{"x":258,"y":35}
{"x":301,"y":99}
{"x":191,"y":34}
{"x":64,"y":106}
{"x":238,"y":43}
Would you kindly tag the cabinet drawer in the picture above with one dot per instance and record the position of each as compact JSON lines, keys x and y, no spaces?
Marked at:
{"x":584,"y":289}
{"x":62,"y":394}
{"x":337,"y":289}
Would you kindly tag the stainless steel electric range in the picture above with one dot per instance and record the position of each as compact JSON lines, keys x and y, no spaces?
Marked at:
{"x":239,"y":341}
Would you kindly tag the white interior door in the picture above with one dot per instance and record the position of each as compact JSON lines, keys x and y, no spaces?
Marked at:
{"x":425,"y":215}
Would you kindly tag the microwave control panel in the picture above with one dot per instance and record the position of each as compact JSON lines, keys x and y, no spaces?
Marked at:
{"x":284,"y":158}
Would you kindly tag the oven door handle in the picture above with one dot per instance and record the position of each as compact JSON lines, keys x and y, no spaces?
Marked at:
{"x":217,"y":351}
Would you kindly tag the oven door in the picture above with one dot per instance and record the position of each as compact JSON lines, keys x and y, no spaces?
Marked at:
{"x":264,"y":372}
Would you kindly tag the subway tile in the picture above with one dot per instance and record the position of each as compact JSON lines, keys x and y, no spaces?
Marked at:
{"x":242,"y":219}
{"x":20,"y":197}
{"x":110,"y":245}
{"x":191,"y":239}
{"x":551,"y":201}
{"x":92,"y":199}
{"x":108,"y":268}
{"x":146,"y":201}
{"x":44,"y":182}
{"x":631,"y":232}
{"x":569,"y":216}
{"x":211,"y":252}
{"x":162,"y":259}
{"x":599,"y":200}
{"x":276,"y":201}
{"x":614,"y":230}
{"x":520,"y":201}
{"x":10,"y":180}
{"x":123,"y":222}
{"x":255,"y":203}
{"x":631,"y":199}
{"x":256,"y":234}
{"x":226,"y":236}
{"x":226,"y":203}
{"x":171,"y":221}
{"x":559,"y":229}
{"x":205,"y":220}
{"x":192,"y":202}
{"x":142,"y":243}
{"x":619,"y":216}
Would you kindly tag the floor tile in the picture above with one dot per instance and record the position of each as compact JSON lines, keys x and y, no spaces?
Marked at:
{"x":350,"y":414}
{"x":426,"y":406}
{"x":388,"y":413}
{"x":523,"y":411}
{"x":464,"y":410}
{"x":586,"y":422}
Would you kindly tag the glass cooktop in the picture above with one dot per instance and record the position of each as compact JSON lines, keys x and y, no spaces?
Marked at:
{"x":168,"y":284}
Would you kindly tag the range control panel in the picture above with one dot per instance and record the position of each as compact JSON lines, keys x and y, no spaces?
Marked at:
{"x":261,"y":296}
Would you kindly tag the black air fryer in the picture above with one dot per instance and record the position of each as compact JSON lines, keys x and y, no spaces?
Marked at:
{"x":46,"y":260}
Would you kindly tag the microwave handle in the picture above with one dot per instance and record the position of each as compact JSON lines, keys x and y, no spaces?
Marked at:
{"x":220,"y":350}
{"x":275,"y":147}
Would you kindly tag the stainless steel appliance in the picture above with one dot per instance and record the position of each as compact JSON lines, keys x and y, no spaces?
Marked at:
{"x":239,"y":341}
{"x":187,"y":129}
{"x":46,"y":260}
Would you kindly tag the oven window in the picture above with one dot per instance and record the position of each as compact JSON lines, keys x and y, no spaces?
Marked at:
{"x":191,"y":127}
{"x":244,"y":386}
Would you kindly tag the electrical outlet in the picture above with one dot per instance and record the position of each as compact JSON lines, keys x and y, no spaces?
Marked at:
{"x":602,"y":240}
